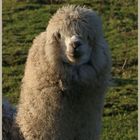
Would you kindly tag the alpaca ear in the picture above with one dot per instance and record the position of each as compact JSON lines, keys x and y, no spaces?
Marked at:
{"x":99,"y":30}
{"x":101,"y":54}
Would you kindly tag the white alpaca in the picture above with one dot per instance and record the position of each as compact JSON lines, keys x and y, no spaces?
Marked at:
{"x":66,"y":76}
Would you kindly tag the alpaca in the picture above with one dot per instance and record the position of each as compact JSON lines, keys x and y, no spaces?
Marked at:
{"x":66,"y":76}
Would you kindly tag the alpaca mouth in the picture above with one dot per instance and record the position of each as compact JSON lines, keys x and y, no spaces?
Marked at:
{"x":74,"y":59}
{"x":74,"y":55}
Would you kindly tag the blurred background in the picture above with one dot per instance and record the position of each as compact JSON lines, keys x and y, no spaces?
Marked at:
{"x":24,"y":19}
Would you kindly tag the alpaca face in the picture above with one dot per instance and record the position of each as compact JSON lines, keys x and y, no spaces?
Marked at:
{"x":76,"y":50}
{"x":77,"y":29}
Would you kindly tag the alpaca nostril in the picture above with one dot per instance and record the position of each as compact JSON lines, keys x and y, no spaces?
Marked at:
{"x":77,"y":44}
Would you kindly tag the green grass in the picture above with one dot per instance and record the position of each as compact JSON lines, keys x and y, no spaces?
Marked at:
{"x":23,"y":21}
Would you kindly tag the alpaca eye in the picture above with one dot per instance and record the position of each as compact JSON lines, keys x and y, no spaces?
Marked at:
{"x":58,"y":35}
{"x":88,"y":38}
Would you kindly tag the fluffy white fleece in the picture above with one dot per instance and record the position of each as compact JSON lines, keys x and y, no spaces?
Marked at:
{"x":60,"y":100}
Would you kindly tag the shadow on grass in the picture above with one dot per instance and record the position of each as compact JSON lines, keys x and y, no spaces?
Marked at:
{"x":122,"y":82}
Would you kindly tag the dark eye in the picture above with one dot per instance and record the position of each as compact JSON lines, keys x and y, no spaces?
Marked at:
{"x":88,"y":38}
{"x":58,"y":35}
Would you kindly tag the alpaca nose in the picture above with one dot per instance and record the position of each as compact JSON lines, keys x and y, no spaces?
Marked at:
{"x":76,"y":46}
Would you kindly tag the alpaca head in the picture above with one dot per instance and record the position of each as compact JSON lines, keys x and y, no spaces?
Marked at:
{"x":75,"y":31}
{"x":75,"y":50}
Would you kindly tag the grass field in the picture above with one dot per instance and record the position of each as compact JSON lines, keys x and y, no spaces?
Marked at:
{"x":22,"y":21}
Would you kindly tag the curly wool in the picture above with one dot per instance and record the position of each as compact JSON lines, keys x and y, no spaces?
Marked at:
{"x":59,"y":101}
